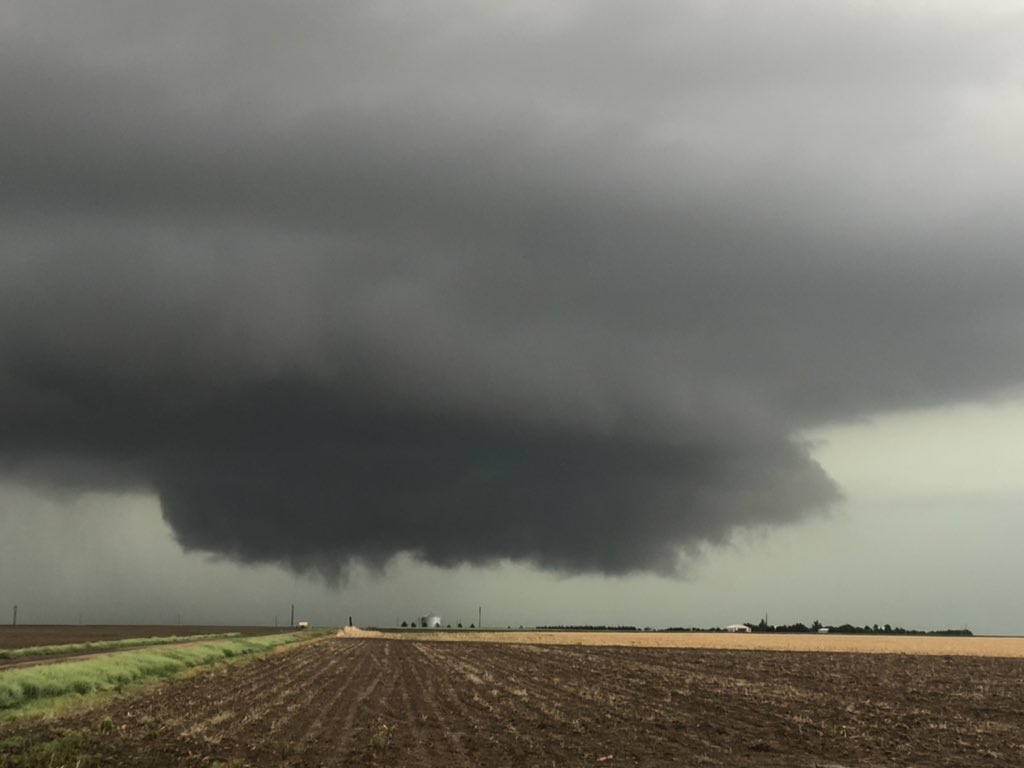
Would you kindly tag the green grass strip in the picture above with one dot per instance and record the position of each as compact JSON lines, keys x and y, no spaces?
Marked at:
{"x":107,"y":645}
{"x":19,"y":687}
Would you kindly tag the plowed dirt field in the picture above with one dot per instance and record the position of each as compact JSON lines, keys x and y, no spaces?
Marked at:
{"x":384,"y":702}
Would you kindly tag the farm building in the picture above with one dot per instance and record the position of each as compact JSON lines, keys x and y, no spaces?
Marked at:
{"x":430,"y":621}
{"x":737,"y":628}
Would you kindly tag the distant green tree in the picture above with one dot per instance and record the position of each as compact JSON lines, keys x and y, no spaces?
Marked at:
{"x":405,"y":624}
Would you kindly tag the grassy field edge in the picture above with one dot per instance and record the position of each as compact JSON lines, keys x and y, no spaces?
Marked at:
{"x":68,"y":649}
{"x":51,"y":683}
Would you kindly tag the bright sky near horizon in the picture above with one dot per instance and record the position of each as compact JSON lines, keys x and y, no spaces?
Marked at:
{"x":895,"y":551}
{"x":658,"y":313}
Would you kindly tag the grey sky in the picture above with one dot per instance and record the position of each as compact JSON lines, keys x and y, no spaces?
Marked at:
{"x":563,"y":286}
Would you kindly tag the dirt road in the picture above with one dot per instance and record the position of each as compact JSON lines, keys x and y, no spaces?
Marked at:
{"x":23,"y":636}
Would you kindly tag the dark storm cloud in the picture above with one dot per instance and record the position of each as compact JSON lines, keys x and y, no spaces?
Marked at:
{"x":559,"y":284}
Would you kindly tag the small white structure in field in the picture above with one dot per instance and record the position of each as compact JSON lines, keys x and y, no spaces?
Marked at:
{"x":737,"y":628}
{"x":823,"y":631}
{"x":430,"y":621}
{"x":303,"y":625}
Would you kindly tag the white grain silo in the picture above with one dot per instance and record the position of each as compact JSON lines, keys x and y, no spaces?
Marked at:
{"x":430,"y":621}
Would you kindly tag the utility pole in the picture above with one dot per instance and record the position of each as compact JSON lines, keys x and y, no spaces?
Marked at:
{"x":293,"y":616}
{"x":479,"y":617}
{"x":14,"y":621}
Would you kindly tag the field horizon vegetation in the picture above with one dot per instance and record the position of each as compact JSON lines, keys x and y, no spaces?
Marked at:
{"x":798,"y":628}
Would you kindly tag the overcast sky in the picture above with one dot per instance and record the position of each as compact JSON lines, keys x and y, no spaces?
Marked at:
{"x":655,"y":313}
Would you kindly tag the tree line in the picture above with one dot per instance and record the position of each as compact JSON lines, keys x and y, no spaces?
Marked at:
{"x":839,"y":629}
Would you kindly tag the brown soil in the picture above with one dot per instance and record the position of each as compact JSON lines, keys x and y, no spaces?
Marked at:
{"x":382,"y":702}
{"x":58,"y":634}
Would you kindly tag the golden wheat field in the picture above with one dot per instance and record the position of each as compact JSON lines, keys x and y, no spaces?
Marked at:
{"x":995,"y":647}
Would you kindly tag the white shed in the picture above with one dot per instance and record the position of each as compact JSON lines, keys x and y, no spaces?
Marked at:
{"x":737,"y":628}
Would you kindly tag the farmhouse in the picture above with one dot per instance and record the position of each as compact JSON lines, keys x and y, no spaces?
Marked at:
{"x":737,"y":628}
